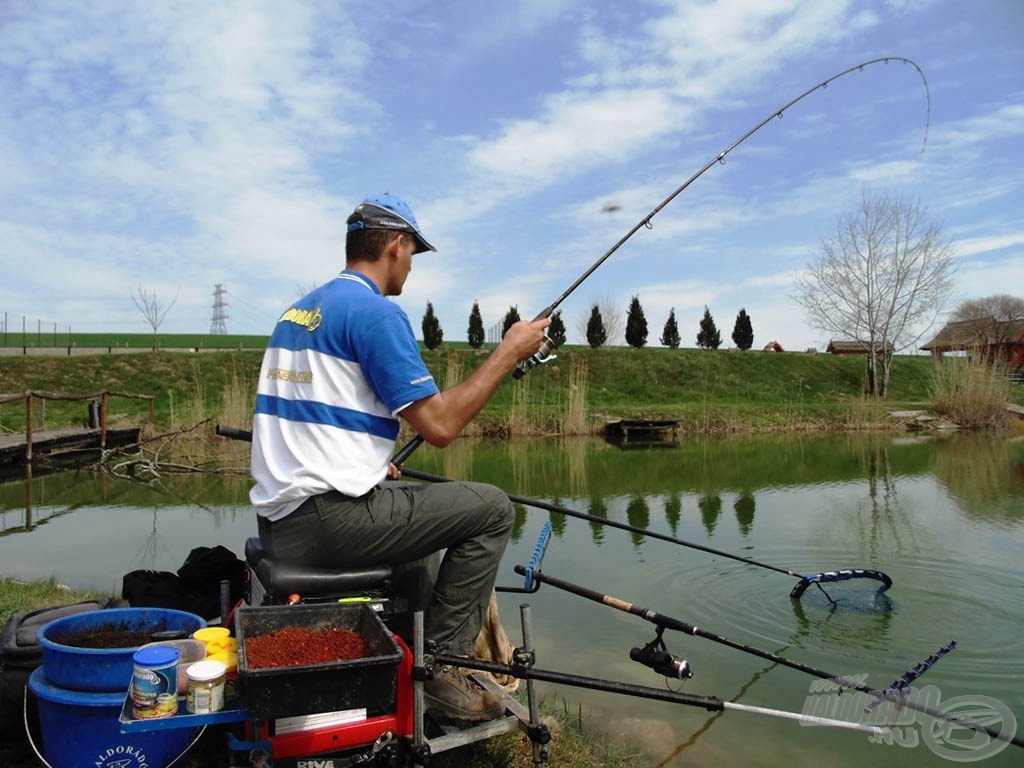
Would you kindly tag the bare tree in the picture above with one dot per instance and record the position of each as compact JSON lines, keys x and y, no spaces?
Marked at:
{"x":152,"y":309}
{"x":610,"y":314}
{"x":1002,"y":308}
{"x":881,"y":278}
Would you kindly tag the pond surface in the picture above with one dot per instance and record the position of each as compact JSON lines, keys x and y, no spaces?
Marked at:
{"x":942,"y":515}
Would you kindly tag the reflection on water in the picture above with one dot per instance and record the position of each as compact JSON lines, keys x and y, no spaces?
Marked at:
{"x":940,"y":514}
{"x":673,"y":512}
{"x":744,"y":507}
{"x":985,"y":473}
{"x":574,"y":449}
{"x":457,"y":459}
{"x":710,"y":511}
{"x":596,"y":508}
{"x":639,"y":516}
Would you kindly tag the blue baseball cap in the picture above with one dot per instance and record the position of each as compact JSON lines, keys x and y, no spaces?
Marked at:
{"x":388,"y":212}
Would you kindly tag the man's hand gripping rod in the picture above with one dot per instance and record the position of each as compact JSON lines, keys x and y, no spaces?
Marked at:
{"x":542,"y":355}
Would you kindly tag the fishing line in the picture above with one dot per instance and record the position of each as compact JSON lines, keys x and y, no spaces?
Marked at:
{"x":824,"y":577}
{"x":544,"y":354}
{"x":797,"y":592}
{"x":719,"y":159}
{"x":817,"y":579}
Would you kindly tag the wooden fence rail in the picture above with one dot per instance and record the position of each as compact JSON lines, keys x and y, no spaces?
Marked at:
{"x":101,"y":417}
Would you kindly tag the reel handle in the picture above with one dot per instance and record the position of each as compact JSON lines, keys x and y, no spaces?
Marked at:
{"x":541,"y":356}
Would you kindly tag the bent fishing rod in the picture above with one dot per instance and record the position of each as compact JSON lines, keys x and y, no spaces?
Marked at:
{"x":544,"y":354}
{"x":805,"y":580}
{"x":896,"y":692}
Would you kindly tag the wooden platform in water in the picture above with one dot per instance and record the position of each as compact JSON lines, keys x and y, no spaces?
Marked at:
{"x":61,"y":445}
{"x":642,"y":430}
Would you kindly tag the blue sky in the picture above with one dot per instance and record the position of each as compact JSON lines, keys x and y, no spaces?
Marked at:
{"x":175,"y":146}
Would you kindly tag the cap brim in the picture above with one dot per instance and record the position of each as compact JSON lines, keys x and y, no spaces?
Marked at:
{"x":422,"y":244}
{"x":373,"y":216}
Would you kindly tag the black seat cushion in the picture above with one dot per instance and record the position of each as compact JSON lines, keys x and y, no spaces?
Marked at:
{"x":285,"y":578}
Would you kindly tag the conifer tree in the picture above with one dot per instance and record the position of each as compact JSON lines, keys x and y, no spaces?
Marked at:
{"x":670,"y":334}
{"x":475,"y":332}
{"x":708,"y":337}
{"x":511,"y":318}
{"x":636,"y":324}
{"x":597,"y":334}
{"x":556,"y":331}
{"x":743,"y":331}
{"x":432,"y":333}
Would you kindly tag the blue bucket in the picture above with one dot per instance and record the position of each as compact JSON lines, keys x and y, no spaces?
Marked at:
{"x":83,"y":730}
{"x":104,"y":669}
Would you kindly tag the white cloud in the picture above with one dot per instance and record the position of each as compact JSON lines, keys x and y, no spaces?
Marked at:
{"x":979,"y":245}
{"x":575,"y":129}
{"x":191,"y":143}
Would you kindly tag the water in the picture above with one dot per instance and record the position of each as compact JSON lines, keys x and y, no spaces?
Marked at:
{"x":942,"y":515}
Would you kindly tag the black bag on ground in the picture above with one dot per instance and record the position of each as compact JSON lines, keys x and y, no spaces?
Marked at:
{"x":194,"y":588}
{"x":201,"y":575}
{"x":153,"y":589}
{"x":20,"y":654}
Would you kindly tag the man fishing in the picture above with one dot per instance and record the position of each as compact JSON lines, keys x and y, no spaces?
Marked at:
{"x":341,"y":367}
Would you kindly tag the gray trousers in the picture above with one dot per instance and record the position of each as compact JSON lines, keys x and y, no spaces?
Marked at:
{"x":397,"y":523}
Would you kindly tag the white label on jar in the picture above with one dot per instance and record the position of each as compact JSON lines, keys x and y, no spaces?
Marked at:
{"x":207,"y":698}
{"x":202,"y":701}
{"x":217,"y":698}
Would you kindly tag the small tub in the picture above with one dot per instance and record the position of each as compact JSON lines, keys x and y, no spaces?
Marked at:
{"x":190,"y":650}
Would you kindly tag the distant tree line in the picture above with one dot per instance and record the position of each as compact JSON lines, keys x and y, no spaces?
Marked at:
{"x":601,"y":325}
{"x":881,"y":278}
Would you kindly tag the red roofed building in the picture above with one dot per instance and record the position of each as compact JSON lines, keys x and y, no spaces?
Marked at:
{"x":996,"y":341}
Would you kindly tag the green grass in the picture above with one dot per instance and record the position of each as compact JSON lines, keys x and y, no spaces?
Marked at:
{"x":30,"y":595}
{"x":713,"y":391}
{"x":709,"y":391}
{"x":61,"y":341}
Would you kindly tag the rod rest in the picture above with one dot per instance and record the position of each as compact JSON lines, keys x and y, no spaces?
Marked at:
{"x":309,"y":581}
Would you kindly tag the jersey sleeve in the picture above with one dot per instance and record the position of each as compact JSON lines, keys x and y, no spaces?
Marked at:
{"x":391,"y":362}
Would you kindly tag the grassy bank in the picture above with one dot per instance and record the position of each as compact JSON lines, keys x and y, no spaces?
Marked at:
{"x":59,"y":342}
{"x":707,"y":391}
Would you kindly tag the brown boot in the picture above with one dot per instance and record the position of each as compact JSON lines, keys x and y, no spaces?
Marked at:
{"x":459,"y":698}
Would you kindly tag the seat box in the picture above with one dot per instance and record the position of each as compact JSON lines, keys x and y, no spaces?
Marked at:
{"x":330,"y":686}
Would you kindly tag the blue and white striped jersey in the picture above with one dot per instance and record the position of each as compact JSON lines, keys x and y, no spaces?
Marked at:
{"x":341,"y":364}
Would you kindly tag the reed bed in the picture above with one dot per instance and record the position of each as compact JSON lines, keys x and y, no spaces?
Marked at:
{"x":972,"y":394}
{"x":575,"y":421}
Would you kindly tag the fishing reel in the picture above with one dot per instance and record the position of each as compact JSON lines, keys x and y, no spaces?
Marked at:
{"x":656,"y":656}
{"x":541,"y":356}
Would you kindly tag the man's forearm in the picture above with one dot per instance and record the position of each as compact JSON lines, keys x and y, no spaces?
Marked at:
{"x":439,"y":419}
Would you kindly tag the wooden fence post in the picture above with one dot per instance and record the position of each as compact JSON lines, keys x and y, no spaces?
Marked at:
{"x":103,"y":420}
{"x":28,"y":427}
